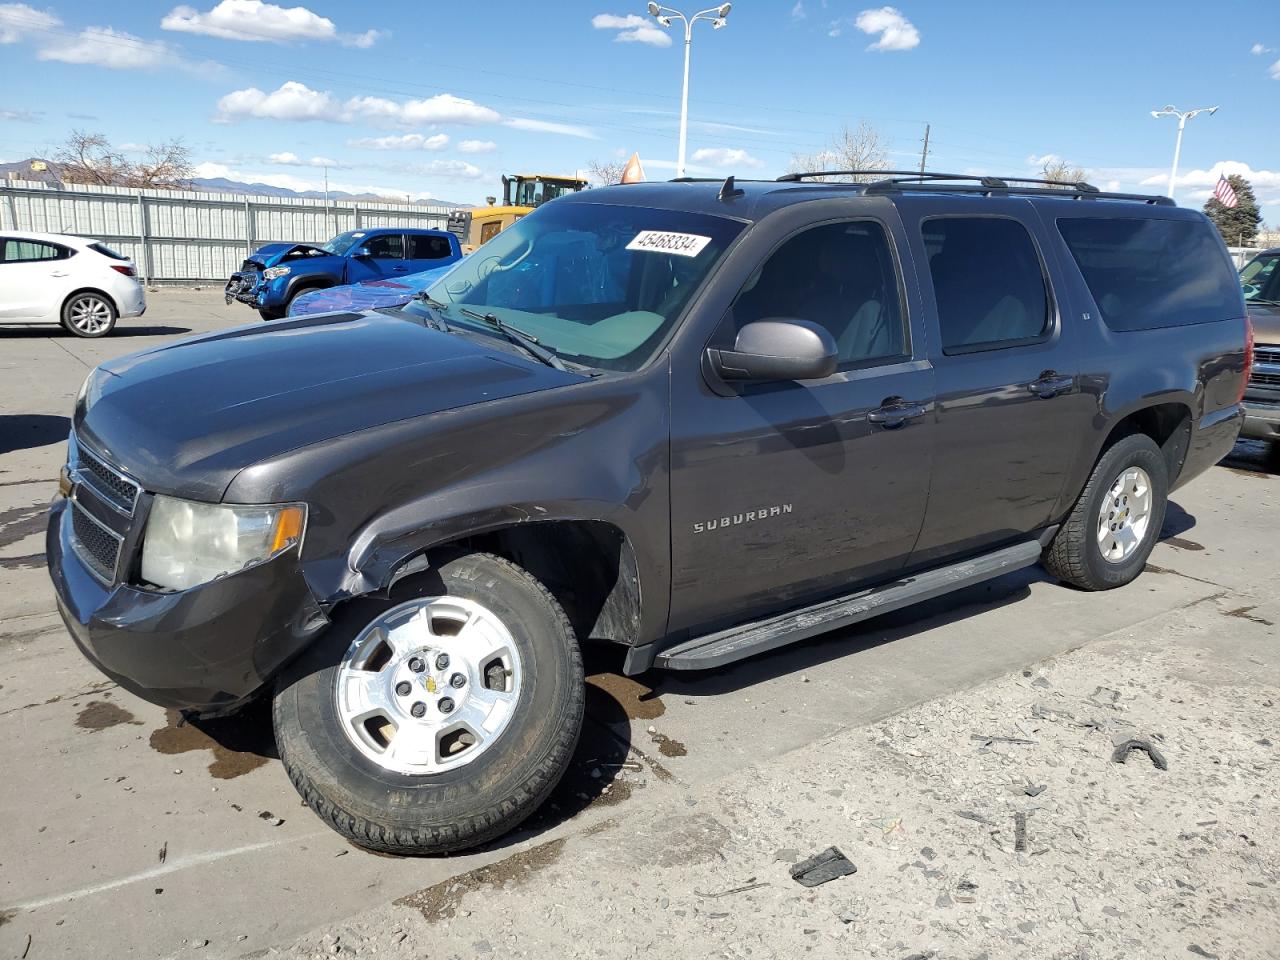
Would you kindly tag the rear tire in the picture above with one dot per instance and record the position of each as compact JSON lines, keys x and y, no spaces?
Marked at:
{"x":89,"y":314}
{"x":359,"y":784}
{"x":1109,"y":534}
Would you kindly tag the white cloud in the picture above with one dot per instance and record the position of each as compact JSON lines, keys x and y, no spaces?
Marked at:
{"x":1274,"y":70}
{"x":254,"y":20}
{"x":297,"y":101}
{"x":1258,"y":50}
{"x":632,"y":29}
{"x":292,"y":101}
{"x":725,"y":157}
{"x":409,"y":141}
{"x":797,"y":12}
{"x":290,"y":159}
{"x":477,"y":146}
{"x":896,"y":31}
{"x":21,"y":116}
{"x":450,"y":169}
{"x":547,"y":126}
{"x":1199,"y":184}
{"x":107,"y":47}
{"x":18,"y":20}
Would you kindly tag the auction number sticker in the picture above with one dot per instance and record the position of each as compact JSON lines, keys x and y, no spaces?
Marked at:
{"x":659,"y":241}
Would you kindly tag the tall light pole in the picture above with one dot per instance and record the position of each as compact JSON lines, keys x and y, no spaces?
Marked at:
{"x":1183,"y":116}
{"x":716,"y":15}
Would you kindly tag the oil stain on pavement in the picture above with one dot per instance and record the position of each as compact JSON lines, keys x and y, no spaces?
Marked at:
{"x":440,"y":902}
{"x":101,"y":714}
{"x":239,"y":744}
{"x":637,"y":701}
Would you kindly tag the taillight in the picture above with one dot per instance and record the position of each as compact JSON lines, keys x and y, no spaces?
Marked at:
{"x":126,"y":269}
{"x":1248,"y":357}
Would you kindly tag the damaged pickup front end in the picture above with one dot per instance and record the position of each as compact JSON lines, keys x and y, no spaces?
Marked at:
{"x":276,"y":272}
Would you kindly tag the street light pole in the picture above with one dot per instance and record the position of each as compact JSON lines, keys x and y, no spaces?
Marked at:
{"x":665,"y":15}
{"x":1183,"y":116}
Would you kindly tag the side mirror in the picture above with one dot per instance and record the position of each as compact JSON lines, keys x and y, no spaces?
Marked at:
{"x":778,"y":349}
{"x":361,"y":253}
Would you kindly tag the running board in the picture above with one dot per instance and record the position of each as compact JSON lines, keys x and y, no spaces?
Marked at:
{"x":746,"y":640}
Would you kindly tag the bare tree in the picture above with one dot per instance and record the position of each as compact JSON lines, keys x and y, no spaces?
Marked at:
{"x":605,"y":172}
{"x":862,"y":148}
{"x":1059,"y":171}
{"x":164,"y":165}
{"x":91,"y":158}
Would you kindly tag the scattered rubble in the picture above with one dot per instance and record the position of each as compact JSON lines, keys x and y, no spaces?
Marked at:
{"x":822,"y":868}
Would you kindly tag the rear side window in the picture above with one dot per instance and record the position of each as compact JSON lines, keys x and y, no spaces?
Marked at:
{"x":988,"y":283}
{"x":388,"y":246}
{"x":1147,"y":273}
{"x":106,"y":251}
{"x":429,"y":248}
{"x":26,"y":251}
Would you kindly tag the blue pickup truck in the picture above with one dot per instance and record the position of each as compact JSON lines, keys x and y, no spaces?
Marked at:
{"x":276,"y":273}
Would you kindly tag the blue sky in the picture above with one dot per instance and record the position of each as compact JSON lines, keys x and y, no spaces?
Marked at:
{"x":428,"y":98}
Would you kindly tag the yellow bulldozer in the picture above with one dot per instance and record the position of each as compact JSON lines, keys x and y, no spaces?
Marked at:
{"x":521,"y":194}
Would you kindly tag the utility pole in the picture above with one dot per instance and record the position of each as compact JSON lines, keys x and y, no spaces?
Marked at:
{"x":924,"y":154}
{"x":328,"y":217}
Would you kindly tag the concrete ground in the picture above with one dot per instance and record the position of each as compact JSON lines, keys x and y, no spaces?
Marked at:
{"x":126,"y":834}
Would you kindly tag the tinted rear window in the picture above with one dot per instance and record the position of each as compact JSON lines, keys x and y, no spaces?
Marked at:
{"x":1151,"y":273}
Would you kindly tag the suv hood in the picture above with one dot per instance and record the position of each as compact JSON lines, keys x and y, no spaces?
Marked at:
{"x":185,"y":418}
{"x":1266,"y":322}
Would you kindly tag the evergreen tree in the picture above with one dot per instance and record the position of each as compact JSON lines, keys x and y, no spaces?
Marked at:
{"x":1239,"y":224}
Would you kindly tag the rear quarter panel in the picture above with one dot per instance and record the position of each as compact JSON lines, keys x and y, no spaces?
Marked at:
{"x":1200,"y":367}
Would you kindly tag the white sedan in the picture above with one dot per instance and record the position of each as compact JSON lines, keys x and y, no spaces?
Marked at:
{"x":52,"y":278}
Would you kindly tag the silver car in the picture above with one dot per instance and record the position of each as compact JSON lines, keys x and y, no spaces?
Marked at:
{"x":1261,"y":280}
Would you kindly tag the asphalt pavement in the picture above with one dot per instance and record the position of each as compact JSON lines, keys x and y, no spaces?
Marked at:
{"x":127,"y":833}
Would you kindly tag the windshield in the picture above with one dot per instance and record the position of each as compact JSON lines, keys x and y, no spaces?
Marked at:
{"x":596,"y":284}
{"x":343,"y":242}
{"x":1261,"y":279}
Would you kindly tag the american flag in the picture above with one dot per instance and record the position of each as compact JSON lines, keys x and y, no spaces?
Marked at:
{"x":1225,"y":193}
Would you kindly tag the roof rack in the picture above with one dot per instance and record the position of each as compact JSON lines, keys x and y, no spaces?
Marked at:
{"x":893,"y":180}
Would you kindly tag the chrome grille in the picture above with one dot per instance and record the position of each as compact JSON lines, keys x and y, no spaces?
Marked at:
{"x":1265,"y":379}
{"x":1267,"y":354}
{"x":110,"y":484}
{"x":97,"y":546}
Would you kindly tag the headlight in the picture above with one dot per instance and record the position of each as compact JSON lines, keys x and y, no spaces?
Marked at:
{"x":190,"y":543}
{"x":272,"y":273}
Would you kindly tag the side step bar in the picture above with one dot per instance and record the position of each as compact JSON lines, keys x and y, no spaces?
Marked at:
{"x":746,"y":640}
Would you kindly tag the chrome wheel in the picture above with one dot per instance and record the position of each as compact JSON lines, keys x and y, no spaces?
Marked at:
{"x":1125,"y":515}
{"x":429,"y":685}
{"x":90,"y":315}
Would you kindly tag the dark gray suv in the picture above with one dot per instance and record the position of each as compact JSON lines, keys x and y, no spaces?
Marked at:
{"x":698,"y":420}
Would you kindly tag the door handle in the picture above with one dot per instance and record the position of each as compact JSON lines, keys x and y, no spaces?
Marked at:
{"x":58,"y":273}
{"x":1050,"y":385}
{"x":895,"y":412}
{"x":400,"y":269}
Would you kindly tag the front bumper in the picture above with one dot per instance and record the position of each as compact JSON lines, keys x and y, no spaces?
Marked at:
{"x":207,"y":649}
{"x":247,"y":286}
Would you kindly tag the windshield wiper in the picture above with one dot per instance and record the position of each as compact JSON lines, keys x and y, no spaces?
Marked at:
{"x":518,"y":337}
{"x":437,"y":320}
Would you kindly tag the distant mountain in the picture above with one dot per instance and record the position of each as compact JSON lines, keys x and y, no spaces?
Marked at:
{"x":22,"y":171}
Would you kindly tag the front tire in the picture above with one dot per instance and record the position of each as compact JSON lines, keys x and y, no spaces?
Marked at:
{"x":89,"y":314}
{"x":439,"y":719}
{"x":1111,"y":531}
